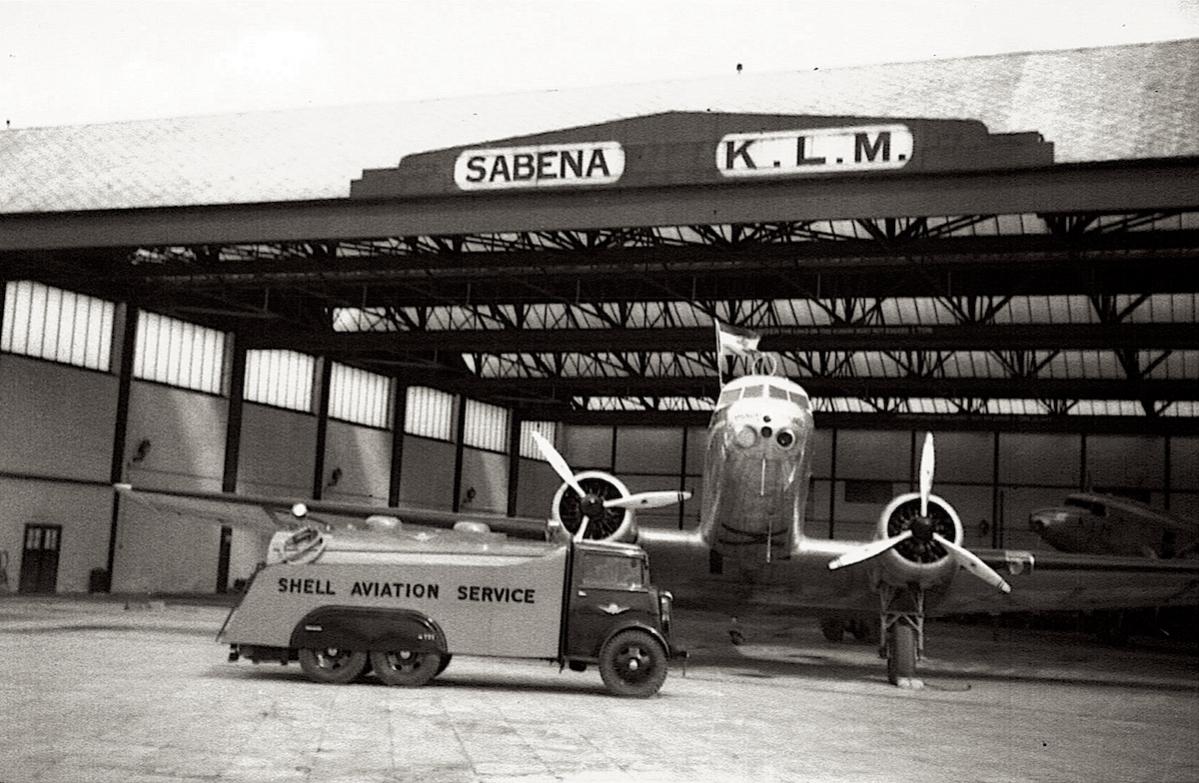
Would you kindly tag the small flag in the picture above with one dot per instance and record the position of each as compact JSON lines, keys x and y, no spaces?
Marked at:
{"x":735,"y":341}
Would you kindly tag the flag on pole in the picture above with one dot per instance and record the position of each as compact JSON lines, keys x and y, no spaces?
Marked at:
{"x":735,"y":341}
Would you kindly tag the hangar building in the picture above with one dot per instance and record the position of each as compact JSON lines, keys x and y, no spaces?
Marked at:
{"x":380,"y":303}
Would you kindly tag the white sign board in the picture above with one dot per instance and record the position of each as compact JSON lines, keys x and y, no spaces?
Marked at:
{"x":814,"y":151}
{"x":540,"y":166}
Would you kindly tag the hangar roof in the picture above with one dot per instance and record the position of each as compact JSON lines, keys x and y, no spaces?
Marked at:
{"x":1116,"y":103}
{"x":1001,"y":296}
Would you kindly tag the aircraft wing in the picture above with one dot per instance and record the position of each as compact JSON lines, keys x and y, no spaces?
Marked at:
{"x":1040,"y":581}
{"x":268,"y":514}
{"x":1052,"y":581}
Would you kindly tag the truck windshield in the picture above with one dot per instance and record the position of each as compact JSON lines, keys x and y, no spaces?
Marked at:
{"x":613,"y":571}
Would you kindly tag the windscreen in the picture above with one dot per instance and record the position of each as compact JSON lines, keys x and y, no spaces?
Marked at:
{"x":615,"y":572}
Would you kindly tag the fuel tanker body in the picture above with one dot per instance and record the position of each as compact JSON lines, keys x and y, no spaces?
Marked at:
{"x":403,"y":604}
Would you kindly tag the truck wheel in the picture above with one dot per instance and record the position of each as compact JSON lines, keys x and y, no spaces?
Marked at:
{"x":331,"y":665}
{"x":445,"y":661}
{"x":405,"y":667}
{"x":633,"y":663}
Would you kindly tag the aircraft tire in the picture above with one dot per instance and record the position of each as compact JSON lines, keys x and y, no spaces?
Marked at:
{"x":332,"y":665}
{"x":633,"y":663}
{"x":833,"y":628}
{"x":403,"y":667}
{"x":901,"y":653}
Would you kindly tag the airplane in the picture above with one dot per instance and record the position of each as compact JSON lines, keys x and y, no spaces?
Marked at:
{"x":751,"y":547}
{"x":1102,"y":524}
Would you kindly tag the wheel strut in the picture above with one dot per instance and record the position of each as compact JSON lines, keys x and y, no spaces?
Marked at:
{"x":900,"y":606}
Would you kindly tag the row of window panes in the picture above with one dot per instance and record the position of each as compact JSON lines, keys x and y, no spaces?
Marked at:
{"x":178,"y":353}
{"x":486,"y":426}
{"x":359,"y":396}
{"x":62,"y":326}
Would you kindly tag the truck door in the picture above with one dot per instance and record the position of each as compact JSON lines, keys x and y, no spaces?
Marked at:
{"x":607,"y":588}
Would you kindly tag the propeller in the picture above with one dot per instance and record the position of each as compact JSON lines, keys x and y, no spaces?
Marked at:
{"x":590,"y":503}
{"x":557,"y":463}
{"x":652,"y":499}
{"x":928,"y":461}
{"x":923,"y":529}
{"x":970,"y":561}
{"x":560,"y":466}
{"x":873,"y":549}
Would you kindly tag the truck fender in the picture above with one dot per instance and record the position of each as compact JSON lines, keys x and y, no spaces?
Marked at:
{"x":640,"y":626}
{"x":366,"y":629}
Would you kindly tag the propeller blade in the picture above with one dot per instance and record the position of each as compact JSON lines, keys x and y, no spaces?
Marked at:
{"x":970,"y":561}
{"x":928,"y":460}
{"x":867,"y":551}
{"x":558,"y":464}
{"x":579,"y":536}
{"x":656,"y":499}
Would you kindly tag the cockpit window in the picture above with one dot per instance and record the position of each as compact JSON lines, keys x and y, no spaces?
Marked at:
{"x":1096,"y":509}
{"x":728,"y":397}
{"x":752,"y":391}
{"x":777,"y":393}
{"x":799,"y":399}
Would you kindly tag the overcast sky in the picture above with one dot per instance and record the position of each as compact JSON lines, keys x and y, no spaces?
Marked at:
{"x":105,"y":60}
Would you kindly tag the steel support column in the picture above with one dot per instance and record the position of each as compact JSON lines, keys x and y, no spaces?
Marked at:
{"x":116,"y":471}
{"x":399,"y":412}
{"x":322,"y":427}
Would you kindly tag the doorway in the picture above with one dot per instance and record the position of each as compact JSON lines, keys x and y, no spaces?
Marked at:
{"x":39,"y":559}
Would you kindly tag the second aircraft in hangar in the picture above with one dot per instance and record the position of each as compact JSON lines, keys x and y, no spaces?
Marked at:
{"x":751,"y":546}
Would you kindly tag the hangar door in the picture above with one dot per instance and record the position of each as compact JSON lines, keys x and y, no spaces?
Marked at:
{"x":39,"y":559}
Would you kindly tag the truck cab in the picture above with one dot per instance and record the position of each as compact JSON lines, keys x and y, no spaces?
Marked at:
{"x":616,"y":617}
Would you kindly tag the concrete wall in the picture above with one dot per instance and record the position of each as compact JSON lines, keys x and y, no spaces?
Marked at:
{"x":55,"y":453}
{"x":185,"y":436}
{"x":363,"y":455}
{"x":55,"y":420}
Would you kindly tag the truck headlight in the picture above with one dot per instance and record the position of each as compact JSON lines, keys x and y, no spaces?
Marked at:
{"x":665,"y":600}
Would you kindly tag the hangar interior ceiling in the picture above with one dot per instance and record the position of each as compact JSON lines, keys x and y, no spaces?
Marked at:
{"x":1079,"y":321}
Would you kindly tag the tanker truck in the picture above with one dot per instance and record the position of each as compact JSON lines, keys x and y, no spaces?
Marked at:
{"x":402,"y":605}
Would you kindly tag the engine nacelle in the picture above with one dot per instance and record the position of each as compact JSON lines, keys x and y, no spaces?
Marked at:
{"x":919,"y":559}
{"x":603,"y":524}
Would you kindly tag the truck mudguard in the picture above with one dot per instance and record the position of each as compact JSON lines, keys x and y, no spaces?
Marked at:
{"x":639,"y":625}
{"x":367,"y":628}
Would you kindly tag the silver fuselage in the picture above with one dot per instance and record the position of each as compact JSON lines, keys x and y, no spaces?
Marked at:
{"x":757,"y":469}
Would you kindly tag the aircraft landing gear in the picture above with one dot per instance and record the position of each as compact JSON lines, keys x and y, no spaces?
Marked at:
{"x":901,"y":621}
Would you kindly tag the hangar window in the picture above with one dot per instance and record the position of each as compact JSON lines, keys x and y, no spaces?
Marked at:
{"x":528,"y":446}
{"x":486,"y":426}
{"x":280,"y":378}
{"x":429,"y":413}
{"x":868,"y":491}
{"x":62,"y":326}
{"x":359,"y":396}
{"x":178,"y":353}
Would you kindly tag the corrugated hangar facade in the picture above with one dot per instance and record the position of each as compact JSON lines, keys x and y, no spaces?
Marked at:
{"x":379,"y":303}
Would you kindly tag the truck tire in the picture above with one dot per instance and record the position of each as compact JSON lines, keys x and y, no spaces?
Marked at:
{"x":332,"y":665}
{"x":445,"y":661}
{"x":404,"y":667}
{"x":633,"y":663}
